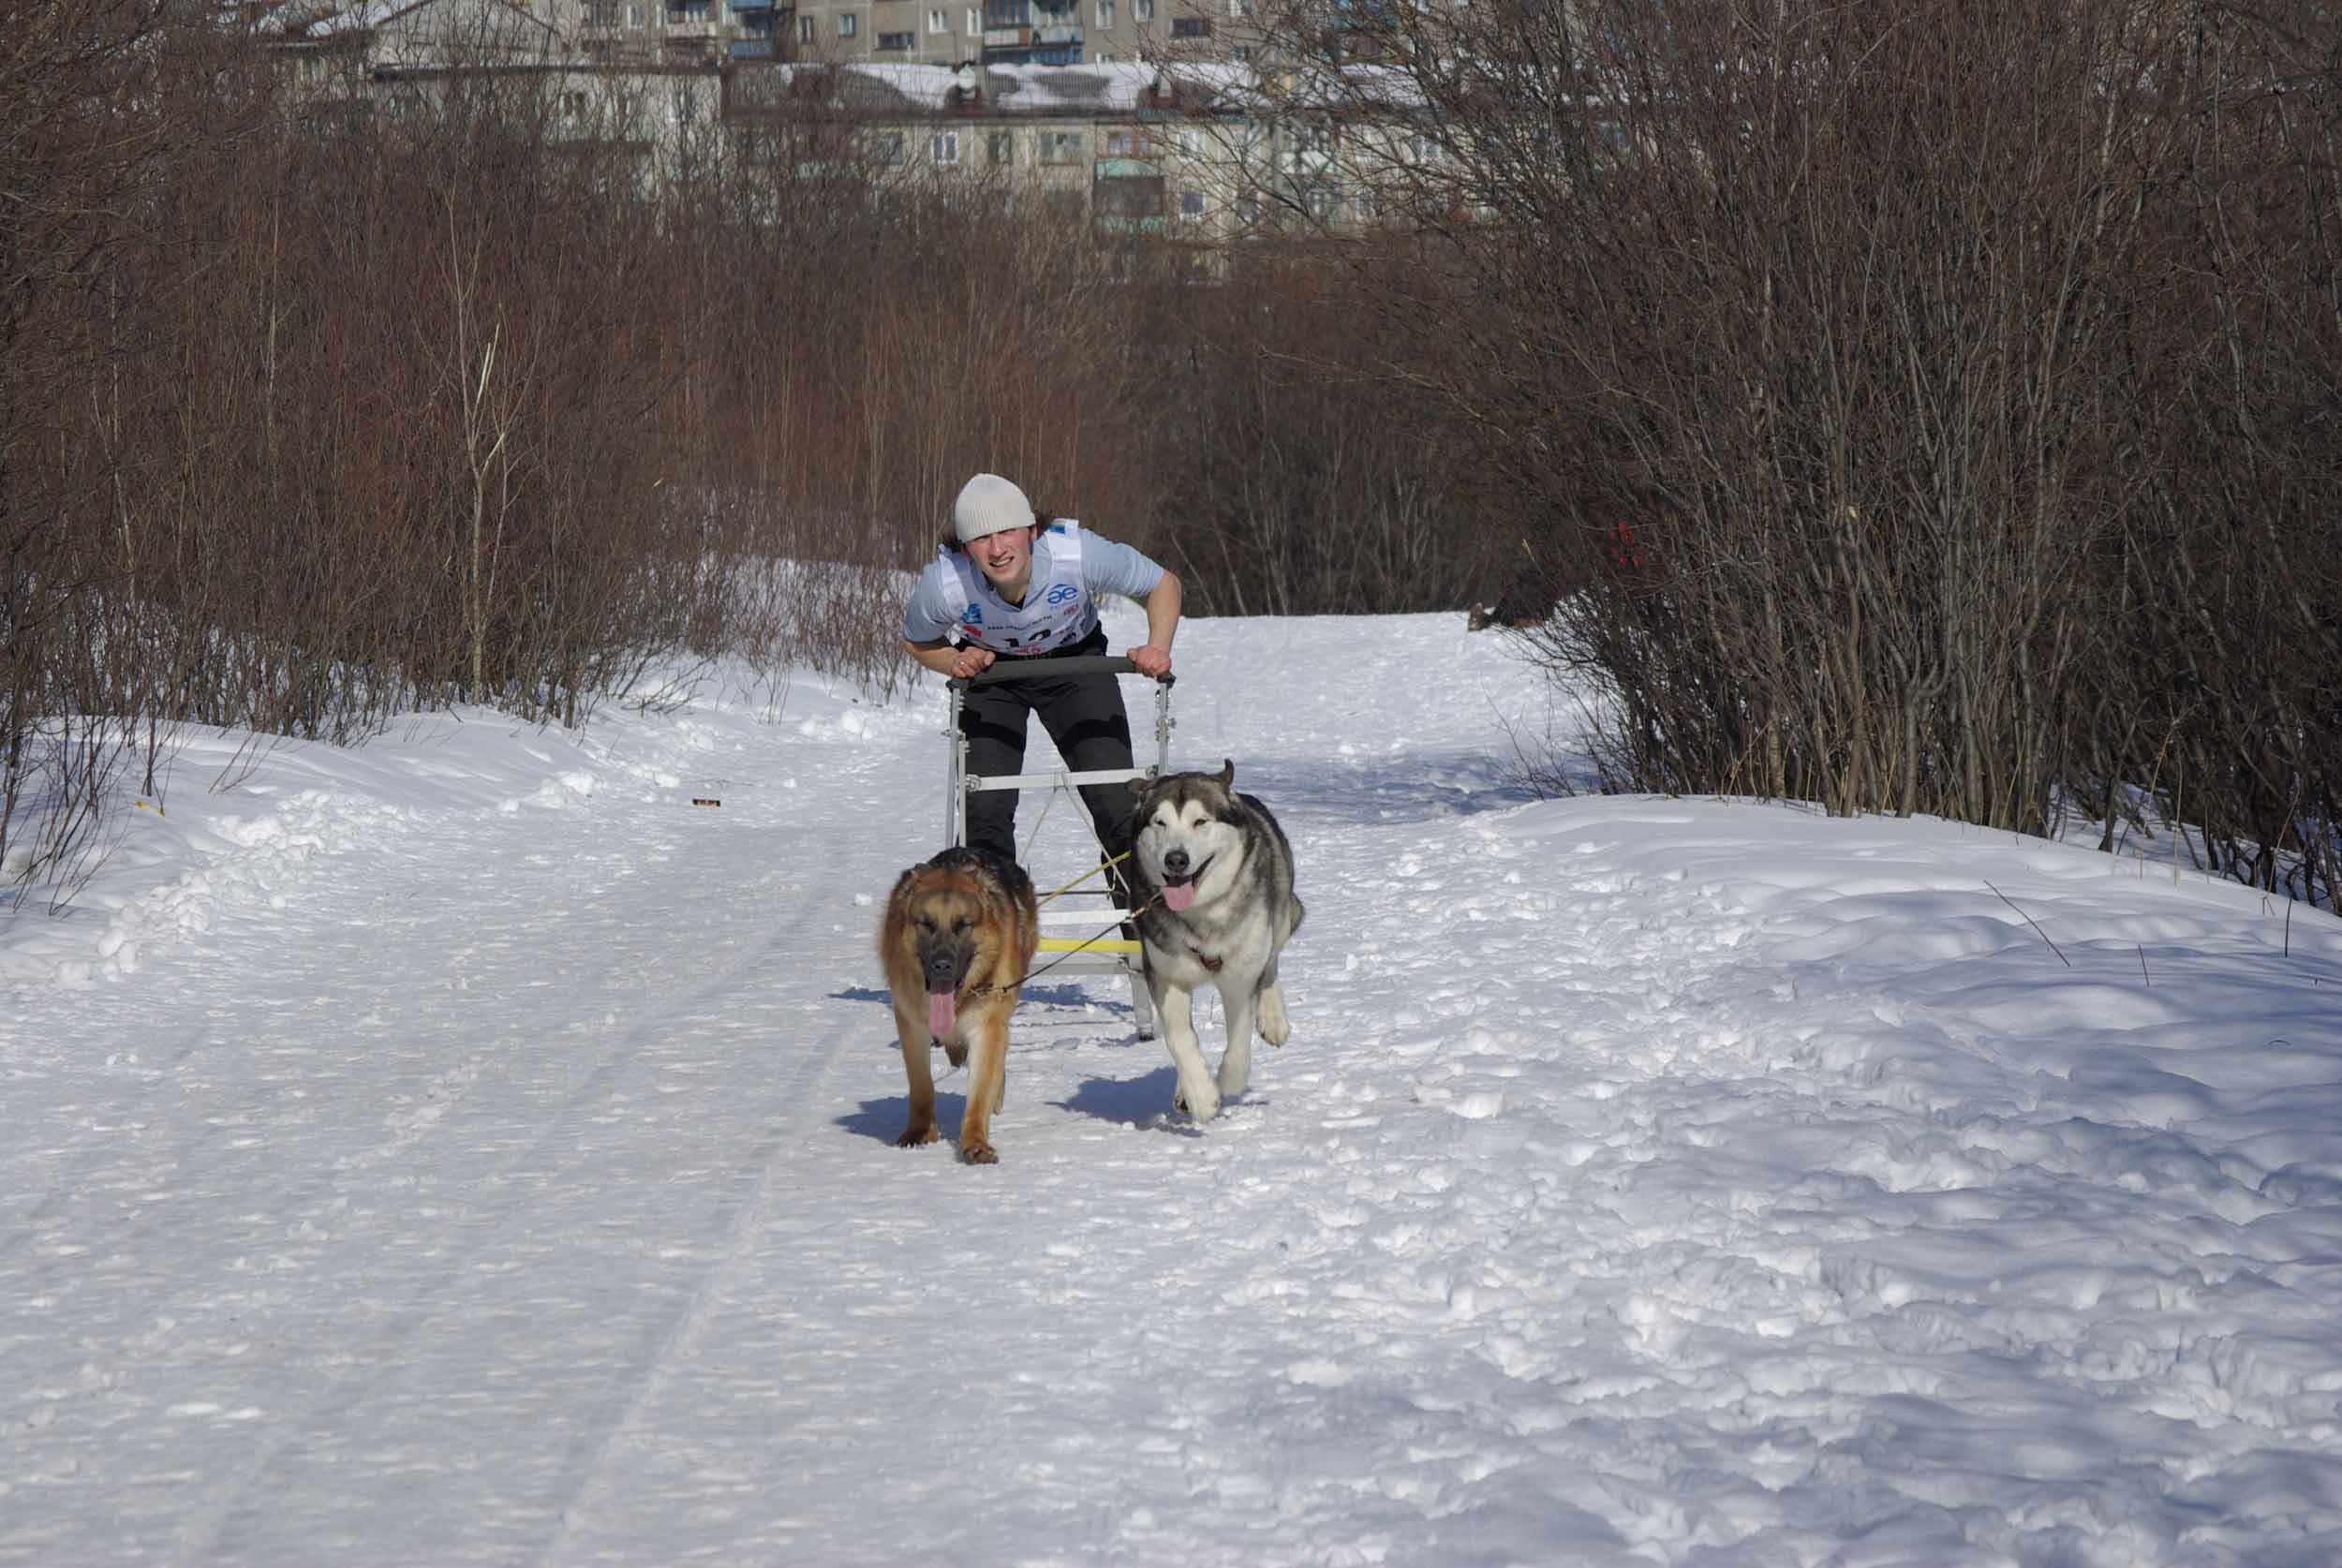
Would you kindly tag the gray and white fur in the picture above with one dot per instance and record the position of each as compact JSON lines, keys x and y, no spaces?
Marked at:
{"x":1212,"y":878}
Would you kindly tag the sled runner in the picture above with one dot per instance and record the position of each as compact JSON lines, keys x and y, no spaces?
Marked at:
{"x":1082,"y":934}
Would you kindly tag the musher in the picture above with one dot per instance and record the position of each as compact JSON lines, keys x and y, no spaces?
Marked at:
{"x":1006,"y":584}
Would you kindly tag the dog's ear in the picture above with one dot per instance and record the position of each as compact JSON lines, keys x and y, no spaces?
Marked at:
{"x":1227,"y":772}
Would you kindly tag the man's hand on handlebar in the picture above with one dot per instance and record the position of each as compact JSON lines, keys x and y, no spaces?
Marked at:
{"x":972,"y":660}
{"x":1150,"y":661}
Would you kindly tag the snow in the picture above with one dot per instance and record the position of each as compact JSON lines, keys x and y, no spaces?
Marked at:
{"x":465,"y":1149}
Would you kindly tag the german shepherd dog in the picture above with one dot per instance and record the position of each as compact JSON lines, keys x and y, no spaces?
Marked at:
{"x":1213,"y":876}
{"x":957,"y":942}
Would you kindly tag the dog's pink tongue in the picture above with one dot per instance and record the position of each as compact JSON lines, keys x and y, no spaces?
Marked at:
{"x":1177,"y":895}
{"x":943,"y":1011}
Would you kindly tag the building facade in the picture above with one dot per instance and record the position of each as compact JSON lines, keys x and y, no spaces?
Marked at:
{"x":926,"y":32}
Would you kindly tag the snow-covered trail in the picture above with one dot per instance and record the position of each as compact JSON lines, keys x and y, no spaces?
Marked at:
{"x":512,"y":1178}
{"x":417,"y":1160}
{"x":500,"y":1168}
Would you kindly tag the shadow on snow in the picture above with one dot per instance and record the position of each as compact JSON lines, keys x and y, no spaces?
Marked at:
{"x":1143,"y":1102}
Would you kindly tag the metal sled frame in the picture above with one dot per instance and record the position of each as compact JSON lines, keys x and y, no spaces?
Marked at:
{"x":1084,"y":951}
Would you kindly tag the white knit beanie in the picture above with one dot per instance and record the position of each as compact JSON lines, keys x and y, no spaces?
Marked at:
{"x":987,"y":505}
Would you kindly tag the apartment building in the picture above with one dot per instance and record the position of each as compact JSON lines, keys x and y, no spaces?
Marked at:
{"x":1024,"y":32}
{"x":1188,"y":150}
{"x":927,"y":33}
{"x":1184,"y":153}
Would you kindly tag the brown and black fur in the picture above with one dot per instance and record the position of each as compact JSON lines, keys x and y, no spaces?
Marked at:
{"x":963,"y":924}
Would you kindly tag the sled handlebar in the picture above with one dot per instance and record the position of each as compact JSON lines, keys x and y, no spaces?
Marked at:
{"x":1029,"y":668}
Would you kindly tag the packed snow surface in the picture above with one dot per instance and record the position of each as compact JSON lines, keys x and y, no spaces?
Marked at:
{"x":468,"y":1150}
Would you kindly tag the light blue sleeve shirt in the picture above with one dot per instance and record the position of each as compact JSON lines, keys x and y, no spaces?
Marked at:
{"x":935,"y":606}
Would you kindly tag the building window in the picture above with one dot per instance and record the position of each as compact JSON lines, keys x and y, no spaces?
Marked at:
{"x":1191,"y":146}
{"x":1106,"y":13}
{"x":602,"y":13}
{"x":1142,"y":10}
{"x":1240,"y":52}
{"x":849,"y":23}
{"x":1422,"y":149}
{"x":1121,"y":144}
{"x":902,"y":41}
{"x":1060,"y":146}
{"x":1239,"y":8}
{"x":1000,"y":147}
{"x":975,"y":24}
{"x":944,"y":147}
{"x":1324,"y":199}
{"x":1104,"y":57}
{"x":804,"y":29}
{"x":634,"y":15}
{"x":688,"y":10}
{"x":1190,"y":205}
{"x":887,"y":147}
{"x":1191,"y":28}
{"x":939,"y":22}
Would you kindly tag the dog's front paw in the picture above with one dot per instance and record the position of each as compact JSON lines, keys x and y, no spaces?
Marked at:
{"x":1274,"y":1027}
{"x":975,"y":1151}
{"x":1201,"y":1100}
{"x":914,"y":1136}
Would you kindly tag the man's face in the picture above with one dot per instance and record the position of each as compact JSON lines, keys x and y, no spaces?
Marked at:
{"x":1006,"y":556}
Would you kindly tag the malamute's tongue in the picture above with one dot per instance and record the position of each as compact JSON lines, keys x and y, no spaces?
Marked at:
{"x":1178,"y":895}
{"x":942,"y":1013}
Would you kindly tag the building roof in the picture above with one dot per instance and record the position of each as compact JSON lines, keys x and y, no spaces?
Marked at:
{"x":1111,"y":89}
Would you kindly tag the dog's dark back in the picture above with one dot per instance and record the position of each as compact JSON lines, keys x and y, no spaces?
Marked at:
{"x":987,"y":862}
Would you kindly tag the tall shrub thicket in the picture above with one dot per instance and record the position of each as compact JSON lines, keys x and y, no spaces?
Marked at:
{"x":1308,"y":465}
{"x":307,"y":419}
{"x":489,"y":390}
{"x":1919,"y":408}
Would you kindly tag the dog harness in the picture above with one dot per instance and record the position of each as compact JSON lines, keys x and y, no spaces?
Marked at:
{"x":1057,"y":612}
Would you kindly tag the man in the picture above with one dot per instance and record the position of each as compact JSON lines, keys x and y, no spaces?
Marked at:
{"x":1007,"y":586}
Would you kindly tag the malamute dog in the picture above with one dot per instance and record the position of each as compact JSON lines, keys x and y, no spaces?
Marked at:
{"x":1213,"y":878}
{"x":957,"y":942}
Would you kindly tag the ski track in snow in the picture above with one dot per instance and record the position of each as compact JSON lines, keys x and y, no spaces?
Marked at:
{"x":474,"y":1174}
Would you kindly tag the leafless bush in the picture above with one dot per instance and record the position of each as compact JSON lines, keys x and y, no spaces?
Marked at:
{"x":323,"y":418}
{"x":1913,"y":409}
{"x":1307,"y":468}
{"x":96,"y":119}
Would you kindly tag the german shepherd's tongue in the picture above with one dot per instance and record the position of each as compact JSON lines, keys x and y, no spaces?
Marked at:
{"x":1178,"y":895}
{"x":942,"y":1013}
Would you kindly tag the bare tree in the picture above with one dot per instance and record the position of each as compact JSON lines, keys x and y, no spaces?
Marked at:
{"x":1879,"y":387}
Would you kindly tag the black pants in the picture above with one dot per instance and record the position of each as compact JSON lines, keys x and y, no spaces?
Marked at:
{"x":1084,"y":716}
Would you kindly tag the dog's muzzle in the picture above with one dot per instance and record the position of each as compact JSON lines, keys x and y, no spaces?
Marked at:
{"x":946,"y":970}
{"x":946,"y":967}
{"x":1178,"y":880}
